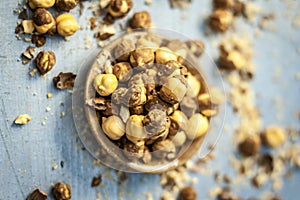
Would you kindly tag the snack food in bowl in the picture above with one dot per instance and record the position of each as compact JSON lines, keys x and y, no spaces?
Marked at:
{"x":146,"y":103}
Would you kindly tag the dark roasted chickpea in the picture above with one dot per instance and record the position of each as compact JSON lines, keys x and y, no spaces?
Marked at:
{"x":66,"y":5}
{"x":141,"y":20}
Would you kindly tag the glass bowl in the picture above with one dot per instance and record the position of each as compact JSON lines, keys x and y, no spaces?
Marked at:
{"x":87,"y":120}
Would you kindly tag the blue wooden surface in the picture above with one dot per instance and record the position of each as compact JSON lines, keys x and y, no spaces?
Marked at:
{"x":28,"y":152}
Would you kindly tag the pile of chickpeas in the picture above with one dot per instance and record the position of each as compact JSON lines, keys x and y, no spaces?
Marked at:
{"x":150,"y":101}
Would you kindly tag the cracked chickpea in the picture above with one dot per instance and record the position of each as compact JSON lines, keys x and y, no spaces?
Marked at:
{"x":33,"y":4}
{"x":105,"y":84}
{"x":113,"y":127}
{"x":119,"y":8}
{"x":141,"y":20}
{"x":122,"y":71}
{"x":142,"y":56}
{"x":43,"y":21}
{"x":61,"y":191}
{"x":136,"y":95}
{"x":197,"y":126}
{"x":66,"y":24}
{"x":173,"y":90}
{"x":66,"y":5}
{"x":45,"y":61}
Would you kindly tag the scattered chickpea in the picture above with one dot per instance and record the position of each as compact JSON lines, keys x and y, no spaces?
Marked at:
{"x":196,"y":47}
{"x":187,"y":193}
{"x":220,"y":20}
{"x":105,"y":84}
{"x":119,"y":8}
{"x":43,"y":21}
{"x":33,"y":4}
{"x":274,"y":136}
{"x":45,"y":61}
{"x":66,"y":5}
{"x":223,"y":4}
{"x":66,"y":24}
{"x":232,"y":60}
{"x":61,"y":191}
{"x":141,"y":20}
{"x":250,"y":145}
{"x":113,"y":127}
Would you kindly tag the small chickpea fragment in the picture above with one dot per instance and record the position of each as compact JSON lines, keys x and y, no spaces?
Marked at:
{"x":66,"y":24}
{"x":33,"y":4}
{"x":105,"y":84}
{"x":141,"y":20}
{"x":22,"y":119}
{"x":164,"y":54}
{"x":43,"y":21}
{"x":113,"y":127}
{"x":274,"y":136}
{"x":197,"y":126}
{"x":231,"y":60}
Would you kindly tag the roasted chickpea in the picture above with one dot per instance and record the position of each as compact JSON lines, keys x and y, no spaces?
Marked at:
{"x":33,"y":4}
{"x":113,"y":127}
{"x":197,"y":126}
{"x":105,"y":84}
{"x":66,"y":24}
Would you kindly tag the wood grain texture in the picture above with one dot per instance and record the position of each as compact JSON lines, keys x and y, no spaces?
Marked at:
{"x":28,"y":152}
